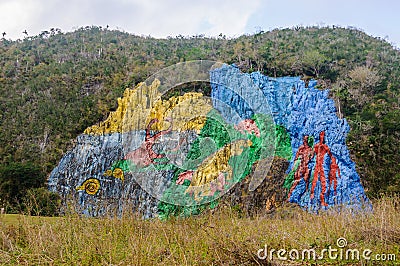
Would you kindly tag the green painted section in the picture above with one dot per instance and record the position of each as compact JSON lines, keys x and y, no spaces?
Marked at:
{"x":214,"y":136}
{"x":290,"y":177}
{"x":283,"y":146}
{"x":123,"y":164}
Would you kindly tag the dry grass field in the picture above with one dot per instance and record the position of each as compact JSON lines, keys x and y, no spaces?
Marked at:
{"x":222,"y":237}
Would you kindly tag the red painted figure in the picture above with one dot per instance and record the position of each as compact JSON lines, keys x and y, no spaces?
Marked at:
{"x":320,"y":150}
{"x":145,"y":155}
{"x":305,"y":153}
{"x":332,"y":174}
{"x":184,"y":176}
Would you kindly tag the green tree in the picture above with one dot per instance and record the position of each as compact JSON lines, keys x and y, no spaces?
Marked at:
{"x":313,"y":61}
{"x":16,"y":179}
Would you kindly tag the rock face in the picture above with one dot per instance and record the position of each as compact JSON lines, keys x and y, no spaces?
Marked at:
{"x":190,"y":152}
{"x":327,"y":176}
{"x":89,"y":160}
{"x":268,"y":196}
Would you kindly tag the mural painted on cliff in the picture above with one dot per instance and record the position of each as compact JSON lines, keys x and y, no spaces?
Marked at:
{"x":309,"y":116}
{"x":189,"y":150}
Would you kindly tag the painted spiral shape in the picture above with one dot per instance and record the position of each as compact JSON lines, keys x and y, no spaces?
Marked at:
{"x":91,"y":186}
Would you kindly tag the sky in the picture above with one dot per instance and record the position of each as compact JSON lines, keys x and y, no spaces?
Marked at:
{"x":163,"y":18}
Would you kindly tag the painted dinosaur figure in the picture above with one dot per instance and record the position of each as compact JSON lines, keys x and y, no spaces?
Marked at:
{"x":214,"y":172}
{"x":248,"y":125}
{"x":145,"y":155}
{"x":305,"y":154}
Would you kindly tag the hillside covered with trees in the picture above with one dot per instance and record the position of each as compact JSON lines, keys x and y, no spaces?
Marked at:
{"x":56,"y":84}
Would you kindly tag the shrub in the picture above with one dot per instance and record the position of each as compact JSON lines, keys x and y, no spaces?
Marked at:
{"x":41,"y":202}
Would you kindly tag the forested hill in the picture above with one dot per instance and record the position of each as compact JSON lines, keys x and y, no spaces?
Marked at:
{"x":56,"y":84}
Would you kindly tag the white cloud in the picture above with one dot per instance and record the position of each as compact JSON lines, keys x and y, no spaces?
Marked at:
{"x":171,"y":18}
{"x":162,"y":18}
{"x":16,"y":16}
{"x":155,"y":18}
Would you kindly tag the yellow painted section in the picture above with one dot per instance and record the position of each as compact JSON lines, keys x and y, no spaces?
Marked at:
{"x":109,"y":172}
{"x":118,"y":173}
{"x":91,"y":186}
{"x":218,"y":162}
{"x":131,"y":107}
{"x":188,"y":112}
{"x":140,"y":105}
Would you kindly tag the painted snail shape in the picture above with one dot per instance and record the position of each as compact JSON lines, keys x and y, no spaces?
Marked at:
{"x":91,"y":186}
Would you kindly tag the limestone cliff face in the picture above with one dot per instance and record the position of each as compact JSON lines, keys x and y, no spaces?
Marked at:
{"x":268,"y":196}
{"x":89,"y":160}
{"x":89,"y":177}
{"x":181,"y":155}
{"x":321,"y":172}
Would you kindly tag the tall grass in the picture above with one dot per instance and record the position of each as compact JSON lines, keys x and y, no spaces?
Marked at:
{"x":214,"y":238}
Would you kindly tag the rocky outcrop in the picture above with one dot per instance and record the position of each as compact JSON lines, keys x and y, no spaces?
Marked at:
{"x":268,"y":196}
{"x":303,"y":112}
{"x":187,"y":153}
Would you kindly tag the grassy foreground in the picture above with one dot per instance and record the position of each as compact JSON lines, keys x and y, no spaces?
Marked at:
{"x":220,"y":238}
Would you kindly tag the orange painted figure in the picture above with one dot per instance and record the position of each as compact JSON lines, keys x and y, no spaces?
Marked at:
{"x":332,"y":174}
{"x":145,"y":155}
{"x":305,"y":153}
{"x":321,"y":149}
